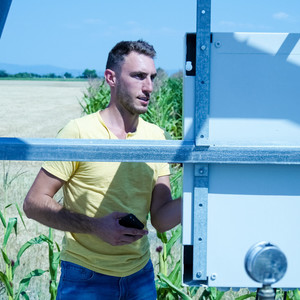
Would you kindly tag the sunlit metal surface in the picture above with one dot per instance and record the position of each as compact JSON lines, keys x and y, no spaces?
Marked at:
{"x":143,"y":151}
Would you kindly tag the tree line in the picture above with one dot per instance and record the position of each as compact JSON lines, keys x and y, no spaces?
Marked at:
{"x":87,"y":73}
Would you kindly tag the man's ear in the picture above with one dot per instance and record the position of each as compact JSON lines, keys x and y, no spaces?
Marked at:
{"x":110,"y":77}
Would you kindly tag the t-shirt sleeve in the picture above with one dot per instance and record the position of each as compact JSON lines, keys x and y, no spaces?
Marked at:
{"x":64,"y":169}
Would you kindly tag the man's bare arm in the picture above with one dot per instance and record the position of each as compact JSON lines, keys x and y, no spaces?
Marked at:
{"x":165,"y":212}
{"x":40,"y":206}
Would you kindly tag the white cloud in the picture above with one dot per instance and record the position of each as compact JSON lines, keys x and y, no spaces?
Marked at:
{"x":280,"y":16}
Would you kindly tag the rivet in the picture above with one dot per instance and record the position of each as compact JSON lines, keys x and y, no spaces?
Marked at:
{"x":203,"y":47}
{"x":201,"y":171}
{"x":203,"y":11}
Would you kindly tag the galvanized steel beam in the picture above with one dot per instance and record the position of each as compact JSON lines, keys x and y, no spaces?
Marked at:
{"x":144,"y":151}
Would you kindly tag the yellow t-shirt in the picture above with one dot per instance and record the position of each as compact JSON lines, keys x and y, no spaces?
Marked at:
{"x":97,"y":189}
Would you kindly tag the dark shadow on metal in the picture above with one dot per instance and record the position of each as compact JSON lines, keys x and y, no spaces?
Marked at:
{"x":4,"y":9}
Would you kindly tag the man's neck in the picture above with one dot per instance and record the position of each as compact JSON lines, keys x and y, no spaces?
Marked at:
{"x":119,"y":124}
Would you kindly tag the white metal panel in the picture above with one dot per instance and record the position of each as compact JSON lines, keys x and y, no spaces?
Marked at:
{"x":248,"y":204}
{"x":255,"y":91}
{"x":255,"y":100}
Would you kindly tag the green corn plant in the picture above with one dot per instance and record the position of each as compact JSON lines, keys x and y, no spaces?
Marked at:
{"x":165,"y":107}
{"x":246,"y":296}
{"x":168,"y":282}
{"x":7,"y":277}
{"x":53,"y":265}
{"x":290,"y":295}
{"x":96,"y":97}
{"x":211,"y":293}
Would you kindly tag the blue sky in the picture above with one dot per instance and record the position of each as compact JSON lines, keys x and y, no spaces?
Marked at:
{"x":78,"y":34}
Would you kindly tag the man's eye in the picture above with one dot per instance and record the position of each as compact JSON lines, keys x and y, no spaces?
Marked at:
{"x":139,"y":76}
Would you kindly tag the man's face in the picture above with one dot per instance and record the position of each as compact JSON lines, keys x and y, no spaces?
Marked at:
{"x":135,"y":83}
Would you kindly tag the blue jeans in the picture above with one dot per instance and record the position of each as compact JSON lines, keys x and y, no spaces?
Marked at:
{"x":77,"y":282}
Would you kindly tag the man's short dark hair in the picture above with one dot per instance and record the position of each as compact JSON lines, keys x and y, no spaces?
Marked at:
{"x":119,"y":51}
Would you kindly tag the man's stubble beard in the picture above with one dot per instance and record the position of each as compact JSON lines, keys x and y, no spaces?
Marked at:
{"x":128,"y":103}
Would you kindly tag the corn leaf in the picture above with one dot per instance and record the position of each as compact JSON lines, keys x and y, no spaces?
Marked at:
{"x":174,"y":288}
{"x":20,"y":214}
{"x":54,"y":263}
{"x":2,"y":219}
{"x":246,"y":296}
{"x":37,"y":240}
{"x":175,"y":275}
{"x":25,"y":295}
{"x":5,"y":257}
{"x":162,"y":236}
{"x":23,"y":285}
{"x":12,"y":223}
{"x":6,"y":282}
{"x":296,"y":294}
{"x":176,"y":234}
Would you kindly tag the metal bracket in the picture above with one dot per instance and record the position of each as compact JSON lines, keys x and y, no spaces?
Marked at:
{"x":202,"y":84}
{"x":200,"y":222}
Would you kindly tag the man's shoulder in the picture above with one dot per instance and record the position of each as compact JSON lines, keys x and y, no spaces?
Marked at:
{"x":146,"y":124}
{"x":79,"y":127}
{"x":86,"y":118}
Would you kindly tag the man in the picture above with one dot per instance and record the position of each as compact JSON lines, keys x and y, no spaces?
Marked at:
{"x":100,"y":258}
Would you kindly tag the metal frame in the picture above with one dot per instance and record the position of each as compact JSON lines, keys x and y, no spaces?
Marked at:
{"x":200,"y":151}
{"x":145,"y":150}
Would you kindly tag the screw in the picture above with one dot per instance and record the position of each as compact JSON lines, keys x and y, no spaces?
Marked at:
{"x":201,"y":171}
{"x":203,"y":11}
{"x":213,"y":276}
{"x":199,"y":274}
{"x":203,"y":47}
{"x":218,"y":44}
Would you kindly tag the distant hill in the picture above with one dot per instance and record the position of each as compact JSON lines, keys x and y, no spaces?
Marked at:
{"x":47,"y":69}
{"x":40,"y":69}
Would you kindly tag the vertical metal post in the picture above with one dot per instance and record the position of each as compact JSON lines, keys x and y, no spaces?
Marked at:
{"x":202,"y":83}
{"x":4,"y":8}
{"x":201,"y":121}
{"x":200,"y":222}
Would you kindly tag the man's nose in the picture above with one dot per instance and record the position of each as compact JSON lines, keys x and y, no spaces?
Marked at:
{"x":148,"y":85}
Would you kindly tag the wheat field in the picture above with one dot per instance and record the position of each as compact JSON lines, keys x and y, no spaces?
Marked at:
{"x":36,"y":109}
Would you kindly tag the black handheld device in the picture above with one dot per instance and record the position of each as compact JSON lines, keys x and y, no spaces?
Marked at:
{"x":131,"y":221}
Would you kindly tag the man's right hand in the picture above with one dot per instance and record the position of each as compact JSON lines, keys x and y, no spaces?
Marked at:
{"x":109,"y":230}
